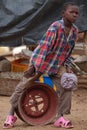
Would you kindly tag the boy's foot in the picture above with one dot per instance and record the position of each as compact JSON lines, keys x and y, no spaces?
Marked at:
{"x":61,"y":122}
{"x":9,"y":123}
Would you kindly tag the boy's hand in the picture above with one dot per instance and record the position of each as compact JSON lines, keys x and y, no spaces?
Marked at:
{"x":32,"y":79}
{"x":69,"y":70}
{"x":30,"y":72}
{"x":35,"y":77}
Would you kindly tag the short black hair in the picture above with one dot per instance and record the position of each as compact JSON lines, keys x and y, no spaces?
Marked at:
{"x":68,"y":4}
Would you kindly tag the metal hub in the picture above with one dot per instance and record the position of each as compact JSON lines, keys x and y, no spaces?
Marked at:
{"x":35,"y":103}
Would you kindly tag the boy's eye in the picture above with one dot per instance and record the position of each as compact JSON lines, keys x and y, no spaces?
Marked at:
{"x":73,"y":12}
{"x":77,"y":13}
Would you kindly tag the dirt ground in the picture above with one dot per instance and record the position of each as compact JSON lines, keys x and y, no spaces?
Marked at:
{"x":78,"y":114}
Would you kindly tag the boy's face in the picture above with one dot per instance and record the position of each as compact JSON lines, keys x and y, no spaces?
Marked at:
{"x":71,"y":13}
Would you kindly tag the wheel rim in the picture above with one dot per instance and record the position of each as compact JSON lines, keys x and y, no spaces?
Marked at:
{"x":36,"y":104}
{"x":18,"y":114}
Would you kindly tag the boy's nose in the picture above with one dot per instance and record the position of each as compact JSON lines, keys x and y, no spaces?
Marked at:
{"x":75,"y":15}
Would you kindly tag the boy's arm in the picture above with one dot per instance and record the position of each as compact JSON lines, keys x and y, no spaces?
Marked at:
{"x":35,"y":77}
{"x":43,"y":49}
{"x":31,"y":80}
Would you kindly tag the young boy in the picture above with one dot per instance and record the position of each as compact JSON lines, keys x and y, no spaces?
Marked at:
{"x":51,"y":53}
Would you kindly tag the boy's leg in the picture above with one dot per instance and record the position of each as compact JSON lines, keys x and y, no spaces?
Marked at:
{"x":64,"y":104}
{"x":64,"y":101}
{"x":64,"y":97}
{"x":18,"y":91}
{"x":11,"y":119}
{"x":20,"y":87}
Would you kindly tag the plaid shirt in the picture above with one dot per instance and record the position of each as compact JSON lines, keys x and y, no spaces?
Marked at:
{"x":54,"y":48}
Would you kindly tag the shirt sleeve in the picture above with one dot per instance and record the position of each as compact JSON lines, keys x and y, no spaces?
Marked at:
{"x":42,"y":50}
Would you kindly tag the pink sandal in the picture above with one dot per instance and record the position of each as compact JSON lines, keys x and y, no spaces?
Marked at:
{"x":9,"y":123}
{"x":61,"y":122}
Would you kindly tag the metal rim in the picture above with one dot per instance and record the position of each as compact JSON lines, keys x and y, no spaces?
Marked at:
{"x":18,"y":114}
{"x":36,"y":104}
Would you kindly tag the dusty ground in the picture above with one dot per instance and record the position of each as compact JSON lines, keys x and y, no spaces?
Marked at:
{"x":78,"y":113}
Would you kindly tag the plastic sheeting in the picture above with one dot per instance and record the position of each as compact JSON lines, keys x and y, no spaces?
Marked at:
{"x":25,"y":21}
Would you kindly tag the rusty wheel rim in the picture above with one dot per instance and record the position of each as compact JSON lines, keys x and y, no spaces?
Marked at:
{"x":18,"y":114}
{"x":36,"y":104}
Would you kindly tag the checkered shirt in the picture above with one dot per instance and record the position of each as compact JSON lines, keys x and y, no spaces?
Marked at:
{"x":54,"y":48}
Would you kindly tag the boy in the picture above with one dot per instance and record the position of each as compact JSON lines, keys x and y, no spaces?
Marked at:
{"x":52,"y":52}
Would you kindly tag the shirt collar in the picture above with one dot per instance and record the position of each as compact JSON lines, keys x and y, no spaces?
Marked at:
{"x":63,"y":26}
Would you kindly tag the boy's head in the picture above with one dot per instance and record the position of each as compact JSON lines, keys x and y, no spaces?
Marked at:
{"x":70,"y":12}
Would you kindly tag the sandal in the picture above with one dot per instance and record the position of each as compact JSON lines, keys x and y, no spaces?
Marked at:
{"x":9,"y":123}
{"x":61,"y":122}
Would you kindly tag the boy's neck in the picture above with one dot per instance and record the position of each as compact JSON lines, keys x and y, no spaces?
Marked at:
{"x":67,"y":23}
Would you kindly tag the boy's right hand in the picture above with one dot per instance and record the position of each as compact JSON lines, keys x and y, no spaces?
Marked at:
{"x":35,"y":77}
{"x":32,"y":79}
{"x":30,"y":72}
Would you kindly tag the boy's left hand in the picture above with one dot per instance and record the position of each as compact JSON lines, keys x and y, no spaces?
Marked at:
{"x":69,"y":70}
